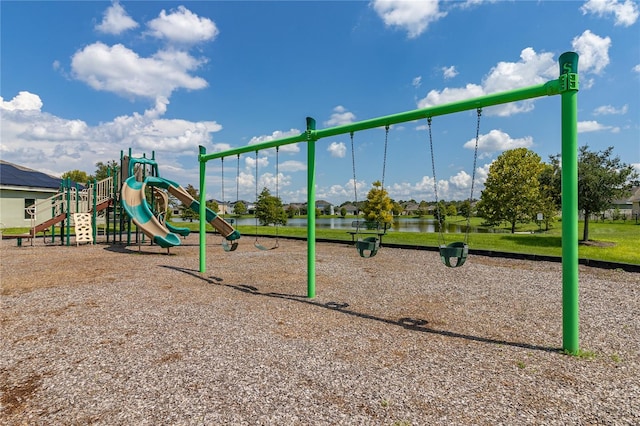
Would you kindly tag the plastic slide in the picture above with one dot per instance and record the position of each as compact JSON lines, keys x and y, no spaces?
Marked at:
{"x":135,"y":204}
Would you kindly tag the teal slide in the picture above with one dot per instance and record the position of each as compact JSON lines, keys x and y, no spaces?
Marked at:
{"x":135,"y":204}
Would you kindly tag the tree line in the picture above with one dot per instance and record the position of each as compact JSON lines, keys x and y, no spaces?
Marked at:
{"x":519,"y":188}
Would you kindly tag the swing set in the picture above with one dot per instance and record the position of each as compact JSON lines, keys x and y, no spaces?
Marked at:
{"x":225,"y":243}
{"x":368,"y":246}
{"x":566,"y":85}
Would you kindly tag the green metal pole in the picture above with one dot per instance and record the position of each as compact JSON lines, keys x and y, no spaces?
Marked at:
{"x":311,"y":209}
{"x":549,"y":88}
{"x":570,"y":288}
{"x":68,"y":203}
{"x":203,"y":211}
{"x":94,"y":214}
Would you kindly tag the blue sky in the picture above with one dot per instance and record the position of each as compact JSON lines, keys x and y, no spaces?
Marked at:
{"x":81,"y":81}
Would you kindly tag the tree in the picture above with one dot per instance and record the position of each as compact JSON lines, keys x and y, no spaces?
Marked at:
{"x":452,"y":210}
{"x":104,"y":170}
{"x":396,"y":208}
{"x":77,"y":176}
{"x":601,"y":179}
{"x":185,"y":212}
{"x":440,"y":212}
{"x":213,"y":206}
{"x":378,"y":206}
{"x":343,"y":211}
{"x":465,"y":208}
{"x":269,"y":209}
{"x":512,"y":191}
{"x":239,"y":208}
{"x":291,"y":211}
{"x":549,"y":180}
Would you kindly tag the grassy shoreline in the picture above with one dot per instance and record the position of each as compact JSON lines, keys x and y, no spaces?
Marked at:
{"x":612,"y":242}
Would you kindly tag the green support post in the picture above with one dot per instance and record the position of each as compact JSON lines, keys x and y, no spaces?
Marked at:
{"x":94,"y":213}
{"x":570,"y":288}
{"x":311,"y":208}
{"x":203,"y":210}
{"x":68,"y":203}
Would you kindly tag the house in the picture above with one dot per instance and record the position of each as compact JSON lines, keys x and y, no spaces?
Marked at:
{"x":635,"y":202}
{"x":410,"y":209}
{"x":20,"y":188}
{"x":325,"y":207}
{"x":627,"y":207}
{"x":350,"y":209}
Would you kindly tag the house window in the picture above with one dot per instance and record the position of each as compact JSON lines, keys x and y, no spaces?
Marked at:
{"x":28,"y":202}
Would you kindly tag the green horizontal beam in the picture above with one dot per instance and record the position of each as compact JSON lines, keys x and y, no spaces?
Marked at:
{"x":549,"y":88}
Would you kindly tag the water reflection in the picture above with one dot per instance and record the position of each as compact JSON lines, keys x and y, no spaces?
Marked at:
{"x":399,"y":224}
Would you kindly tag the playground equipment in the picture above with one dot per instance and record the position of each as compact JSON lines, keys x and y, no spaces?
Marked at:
{"x":257,"y":243}
{"x":225,"y":243}
{"x":566,"y":86}
{"x":61,"y":208}
{"x":137,"y":208}
{"x":117,"y":204}
{"x":458,"y":250}
{"x":368,"y":247}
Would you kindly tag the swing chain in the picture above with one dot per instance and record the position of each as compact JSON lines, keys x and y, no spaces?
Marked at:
{"x":384,"y":160}
{"x":441,"y":241}
{"x":222,"y":172}
{"x":238,"y":179}
{"x":277,"y":189}
{"x":473,"y":175}
{"x":353,"y":162}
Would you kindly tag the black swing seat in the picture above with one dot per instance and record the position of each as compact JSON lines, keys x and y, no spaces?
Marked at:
{"x":261,"y":247}
{"x":457,"y":250}
{"x":229,"y":247}
{"x":368,"y":247}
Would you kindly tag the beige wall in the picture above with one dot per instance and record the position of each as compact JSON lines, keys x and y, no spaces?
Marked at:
{"x":12,"y":205}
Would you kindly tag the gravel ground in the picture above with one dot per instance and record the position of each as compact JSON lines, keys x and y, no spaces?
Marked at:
{"x":115,"y":335}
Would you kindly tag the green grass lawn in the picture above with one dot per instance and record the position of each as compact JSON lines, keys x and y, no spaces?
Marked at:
{"x":614,"y":242}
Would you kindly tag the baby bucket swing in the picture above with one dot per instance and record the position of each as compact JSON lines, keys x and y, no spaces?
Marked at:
{"x":367,"y":247}
{"x":458,"y":250}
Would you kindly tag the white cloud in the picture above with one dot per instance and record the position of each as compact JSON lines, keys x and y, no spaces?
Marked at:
{"x":448,"y":95}
{"x":461,"y":180}
{"x":636,"y":68}
{"x":409,"y":15}
{"x":182,"y":26}
{"x":533,"y":68}
{"x":219,"y":147}
{"x":593,"y":51}
{"x":594,"y":126}
{"x":122,"y":71}
{"x":449,"y":72}
{"x":34,"y":138}
{"x":292,"y":166}
{"x":24,"y":101}
{"x":417,"y":82}
{"x":116,"y":20}
{"x":340,"y":116}
{"x":337,"y":149}
{"x":497,"y":141}
{"x":278,"y":134}
{"x":625,"y":13}
{"x":611,"y":110}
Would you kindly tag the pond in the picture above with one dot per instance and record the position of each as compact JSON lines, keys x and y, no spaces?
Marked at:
{"x":409,"y":224}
